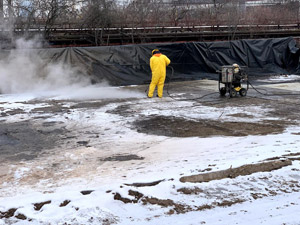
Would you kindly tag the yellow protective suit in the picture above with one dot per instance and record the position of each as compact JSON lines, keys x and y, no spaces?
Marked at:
{"x":158,"y":64}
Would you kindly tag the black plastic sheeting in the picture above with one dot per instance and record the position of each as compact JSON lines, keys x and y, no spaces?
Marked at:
{"x":129,"y":64}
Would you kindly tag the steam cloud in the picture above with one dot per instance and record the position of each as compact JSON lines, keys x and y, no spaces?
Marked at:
{"x":23,"y":71}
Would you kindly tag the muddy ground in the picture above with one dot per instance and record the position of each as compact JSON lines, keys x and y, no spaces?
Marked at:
{"x":33,"y":137}
{"x":27,"y":139}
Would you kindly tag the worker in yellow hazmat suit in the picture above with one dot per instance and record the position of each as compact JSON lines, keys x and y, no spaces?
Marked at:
{"x":158,"y":64}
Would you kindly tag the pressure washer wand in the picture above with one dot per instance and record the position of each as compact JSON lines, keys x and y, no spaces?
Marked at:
{"x":170,"y":78}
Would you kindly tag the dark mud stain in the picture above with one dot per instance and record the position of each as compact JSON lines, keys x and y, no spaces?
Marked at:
{"x":123,"y":158}
{"x":227,"y":203}
{"x":15,"y":112}
{"x":50,"y":109}
{"x":10,"y":213}
{"x":175,"y":207}
{"x":86,"y":192}
{"x":118,"y":197}
{"x":41,"y":117}
{"x":123,"y":110}
{"x":290,"y":156}
{"x":83,"y":143}
{"x":21,"y":216}
{"x":51,"y":123}
{"x":180,"y":127}
{"x":157,"y":201}
{"x":137,"y":196}
{"x":258,"y":195}
{"x":286,"y":111}
{"x":182,"y":208}
{"x":64,"y":203}
{"x":24,"y":140}
{"x":7,"y":214}
{"x":164,"y":203}
{"x":145,"y":184}
{"x":190,"y":191}
{"x":89,"y":105}
{"x":38,"y":206}
{"x":241,"y":115}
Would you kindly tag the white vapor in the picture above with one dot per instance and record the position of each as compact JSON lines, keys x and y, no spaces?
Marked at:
{"x":23,"y":71}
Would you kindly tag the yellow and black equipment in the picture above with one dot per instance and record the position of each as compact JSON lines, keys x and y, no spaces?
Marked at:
{"x":231,"y":78}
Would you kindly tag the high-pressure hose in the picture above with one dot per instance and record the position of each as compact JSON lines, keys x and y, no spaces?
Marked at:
{"x":168,"y":81}
{"x":274,"y":94}
{"x":168,"y":85}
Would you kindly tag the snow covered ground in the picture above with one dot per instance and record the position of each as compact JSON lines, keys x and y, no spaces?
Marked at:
{"x":103,"y":169}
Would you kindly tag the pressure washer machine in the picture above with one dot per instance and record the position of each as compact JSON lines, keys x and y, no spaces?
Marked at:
{"x":231,"y":79}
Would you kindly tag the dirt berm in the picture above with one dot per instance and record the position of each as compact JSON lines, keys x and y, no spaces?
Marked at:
{"x":239,"y":171}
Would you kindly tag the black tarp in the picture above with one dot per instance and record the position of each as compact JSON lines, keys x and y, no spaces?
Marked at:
{"x":129,"y":64}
